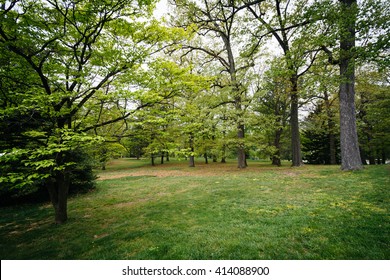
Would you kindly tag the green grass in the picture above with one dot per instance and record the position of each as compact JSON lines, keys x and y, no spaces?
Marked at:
{"x":216,"y":211}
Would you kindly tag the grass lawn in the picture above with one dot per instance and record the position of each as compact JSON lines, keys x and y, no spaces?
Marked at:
{"x":213,"y":211}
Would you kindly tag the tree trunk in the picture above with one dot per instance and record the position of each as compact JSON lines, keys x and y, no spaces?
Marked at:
{"x":223,"y":156}
{"x":241,"y":158}
{"x":350,"y":155}
{"x":213,"y":155}
{"x":58,"y":192}
{"x":294,"y":121}
{"x":192,"y":161}
{"x":206,"y":159}
{"x":192,"y":157}
{"x":383,"y":154}
{"x":276,"y":156}
{"x":162,"y":158}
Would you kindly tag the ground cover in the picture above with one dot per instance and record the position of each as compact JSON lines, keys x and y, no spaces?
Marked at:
{"x":213,"y":211}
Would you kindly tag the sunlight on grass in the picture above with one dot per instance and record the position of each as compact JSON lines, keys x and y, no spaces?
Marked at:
{"x":211,"y":212}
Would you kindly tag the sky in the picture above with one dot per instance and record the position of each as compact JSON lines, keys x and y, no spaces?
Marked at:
{"x":161,"y":8}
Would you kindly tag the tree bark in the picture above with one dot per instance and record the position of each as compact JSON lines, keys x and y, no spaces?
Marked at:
{"x":192,"y":161}
{"x":58,"y":192}
{"x":350,"y":155}
{"x":294,"y":122}
{"x":383,"y":154}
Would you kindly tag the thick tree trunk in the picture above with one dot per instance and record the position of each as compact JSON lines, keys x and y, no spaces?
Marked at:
{"x":58,"y":192}
{"x":162,"y":158}
{"x":350,"y":155}
{"x":294,"y":121}
{"x":241,"y":158}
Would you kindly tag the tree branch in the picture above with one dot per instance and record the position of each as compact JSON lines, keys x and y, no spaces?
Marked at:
{"x":329,"y":53}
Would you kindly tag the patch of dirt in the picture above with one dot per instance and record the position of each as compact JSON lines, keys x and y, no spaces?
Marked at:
{"x":177,"y":170}
{"x":291,"y":174}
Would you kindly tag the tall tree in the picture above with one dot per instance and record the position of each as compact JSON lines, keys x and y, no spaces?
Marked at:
{"x":362,"y":32}
{"x":217,"y":24}
{"x":287,"y":23}
{"x":373,"y":107}
{"x":350,"y":153}
{"x":272,"y":101}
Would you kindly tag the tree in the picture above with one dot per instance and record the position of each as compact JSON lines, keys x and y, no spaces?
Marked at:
{"x":319,"y":133}
{"x":322,"y":82}
{"x":272,"y":101}
{"x":218,"y":21}
{"x":362,"y":31}
{"x":72,"y":51}
{"x":350,"y":153}
{"x":292,"y":29}
{"x":373,"y":107}
{"x":175,"y":114}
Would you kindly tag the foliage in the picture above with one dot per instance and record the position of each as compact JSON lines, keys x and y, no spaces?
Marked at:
{"x":373,"y":105}
{"x":316,"y":147}
{"x":82,"y":180}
